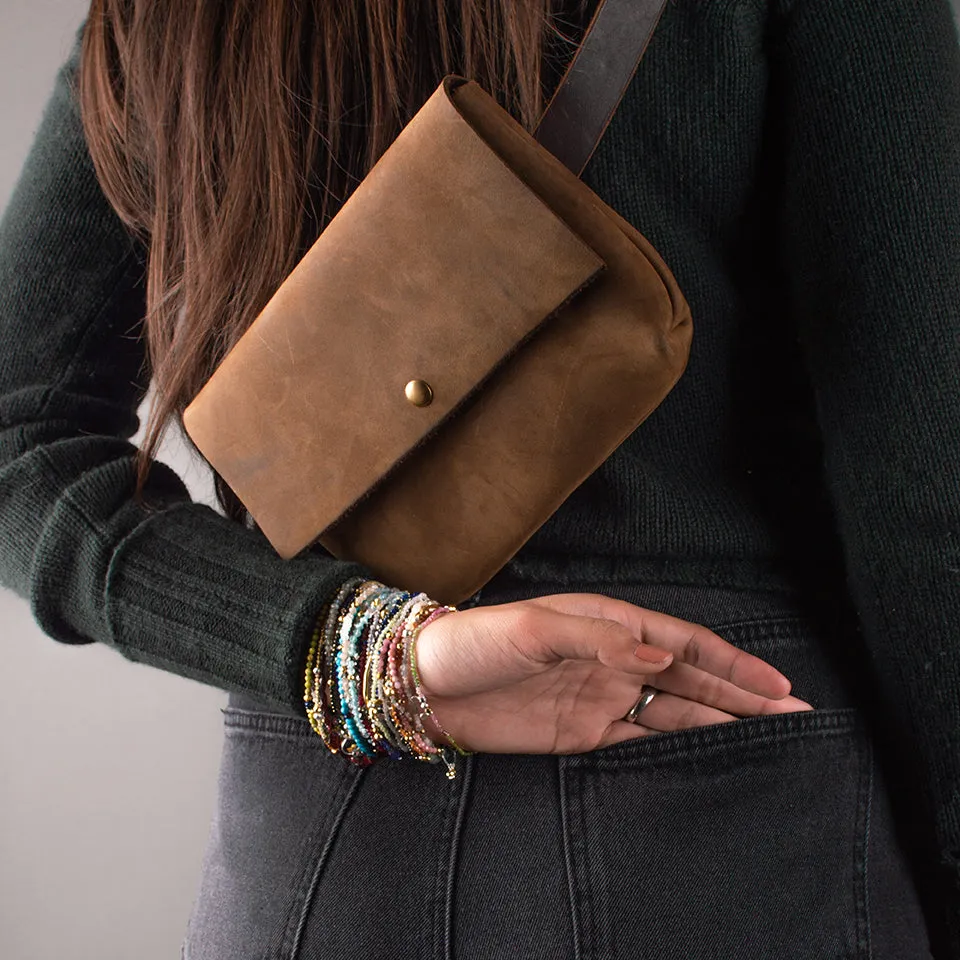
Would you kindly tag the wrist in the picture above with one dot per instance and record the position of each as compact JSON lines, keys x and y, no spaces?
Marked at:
{"x":362,"y":694}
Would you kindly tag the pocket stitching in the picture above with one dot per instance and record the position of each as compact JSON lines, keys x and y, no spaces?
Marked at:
{"x":247,"y":723}
{"x":713,"y":738}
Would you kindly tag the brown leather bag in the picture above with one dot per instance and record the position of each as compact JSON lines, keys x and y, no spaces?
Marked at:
{"x":470,"y":337}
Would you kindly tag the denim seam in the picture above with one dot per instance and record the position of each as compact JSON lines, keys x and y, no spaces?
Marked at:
{"x":437,"y":923}
{"x":267,"y":735}
{"x":587,"y":893}
{"x":585,"y":898}
{"x":862,"y":855}
{"x":602,"y":897}
{"x":600,"y":934}
{"x":562,"y":779}
{"x":769,"y":628}
{"x":822,"y":724}
{"x":293,"y":936}
{"x":463,"y":804}
{"x":239,"y":722}
{"x":775,"y":622}
{"x":302,"y":894}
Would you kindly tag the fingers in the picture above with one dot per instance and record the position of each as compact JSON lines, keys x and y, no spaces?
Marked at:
{"x":669,"y":712}
{"x":693,"y":684}
{"x":559,"y":636}
{"x":665,"y":713}
{"x":690,"y":643}
{"x":699,"y":647}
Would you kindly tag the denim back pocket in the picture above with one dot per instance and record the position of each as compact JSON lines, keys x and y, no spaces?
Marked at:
{"x":741,"y":839}
{"x":765,"y":837}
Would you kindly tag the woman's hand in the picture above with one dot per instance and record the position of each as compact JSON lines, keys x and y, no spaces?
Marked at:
{"x":557,"y":674}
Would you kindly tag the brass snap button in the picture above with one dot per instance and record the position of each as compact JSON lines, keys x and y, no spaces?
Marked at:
{"x":419,"y":393}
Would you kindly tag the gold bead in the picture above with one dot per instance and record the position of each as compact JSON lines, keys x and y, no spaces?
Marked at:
{"x":419,"y":393}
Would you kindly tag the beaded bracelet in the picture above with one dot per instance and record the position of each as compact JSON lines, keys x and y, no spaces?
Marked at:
{"x":412,"y":736}
{"x":406,"y":720}
{"x":372,"y":686}
{"x":399,"y":669}
{"x":418,"y":687}
{"x":362,"y":692}
{"x":348,"y":654}
{"x":317,"y":682}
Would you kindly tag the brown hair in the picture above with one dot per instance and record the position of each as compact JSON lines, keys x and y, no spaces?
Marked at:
{"x":227,"y":133}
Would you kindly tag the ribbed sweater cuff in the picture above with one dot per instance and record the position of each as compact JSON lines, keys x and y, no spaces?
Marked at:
{"x":240,"y":615}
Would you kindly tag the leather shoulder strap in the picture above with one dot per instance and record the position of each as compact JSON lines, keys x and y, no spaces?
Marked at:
{"x":596,"y":79}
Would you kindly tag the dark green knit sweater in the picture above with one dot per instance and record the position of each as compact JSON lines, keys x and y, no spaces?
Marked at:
{"x":797,"y":163}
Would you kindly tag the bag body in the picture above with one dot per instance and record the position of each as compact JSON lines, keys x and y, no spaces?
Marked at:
{"x":471,"y":336}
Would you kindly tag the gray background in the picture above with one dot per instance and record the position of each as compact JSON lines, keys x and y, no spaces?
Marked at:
{"x":104,"y":802}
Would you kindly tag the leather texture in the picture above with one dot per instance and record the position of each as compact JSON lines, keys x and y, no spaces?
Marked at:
{"x":421,"y":276}
{"x":470,"y":257}
{"x":596,"y":79}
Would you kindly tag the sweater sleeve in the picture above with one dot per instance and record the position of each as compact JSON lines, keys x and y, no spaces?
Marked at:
{"x":870,"y":108}
{"x":178,"y":585}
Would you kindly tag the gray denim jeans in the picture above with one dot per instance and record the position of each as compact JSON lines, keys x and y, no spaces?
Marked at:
{"x":767,"y":837}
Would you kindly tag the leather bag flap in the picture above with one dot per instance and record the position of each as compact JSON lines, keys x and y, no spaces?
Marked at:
{"x":438,"y":267}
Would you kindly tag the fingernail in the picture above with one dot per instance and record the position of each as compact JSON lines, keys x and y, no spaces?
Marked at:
{"x":650,"y":654}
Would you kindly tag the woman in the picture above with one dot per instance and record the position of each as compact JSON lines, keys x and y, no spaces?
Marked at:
{"x":790,"y":510}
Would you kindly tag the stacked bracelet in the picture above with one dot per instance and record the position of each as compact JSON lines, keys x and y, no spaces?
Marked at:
{"x":362,"y":691}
